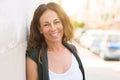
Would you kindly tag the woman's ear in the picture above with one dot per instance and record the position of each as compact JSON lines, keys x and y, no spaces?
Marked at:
{"x":39,"y":30}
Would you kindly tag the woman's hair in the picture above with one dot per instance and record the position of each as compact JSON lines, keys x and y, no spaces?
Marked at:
{"x":36,"y":38}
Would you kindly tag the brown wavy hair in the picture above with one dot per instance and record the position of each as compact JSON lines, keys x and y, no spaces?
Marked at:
{"x":35,"y":38}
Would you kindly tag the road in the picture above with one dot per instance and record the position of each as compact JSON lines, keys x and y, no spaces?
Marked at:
{"x":96,"y":68}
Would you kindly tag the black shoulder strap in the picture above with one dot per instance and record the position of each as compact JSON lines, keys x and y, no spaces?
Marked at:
{"x":43,"y":67}
{"x":72,"y":48}
{"x":33,"y":54}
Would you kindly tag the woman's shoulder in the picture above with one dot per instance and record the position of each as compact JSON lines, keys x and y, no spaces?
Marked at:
{"x":33,"y":54}
{"x":34,"y":50}
{"x":71,"y":46}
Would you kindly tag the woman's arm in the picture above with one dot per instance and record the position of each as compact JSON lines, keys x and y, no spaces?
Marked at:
{"x":32,"y":71}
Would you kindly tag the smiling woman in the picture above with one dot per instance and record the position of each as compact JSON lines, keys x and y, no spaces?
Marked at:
{"x":49,"y":55}
{"x":51,"y":26}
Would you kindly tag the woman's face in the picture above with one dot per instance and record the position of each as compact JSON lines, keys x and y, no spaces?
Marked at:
{"x":51,"y":26}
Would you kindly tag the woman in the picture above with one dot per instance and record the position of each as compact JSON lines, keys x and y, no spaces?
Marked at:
{"x":49,"y":55}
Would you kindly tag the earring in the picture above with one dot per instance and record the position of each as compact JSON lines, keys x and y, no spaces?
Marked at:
{"x":40,"y":32}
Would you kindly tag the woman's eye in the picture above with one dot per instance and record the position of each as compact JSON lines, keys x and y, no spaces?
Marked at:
{"x":46,"y":25}
{"x":56,"y":22}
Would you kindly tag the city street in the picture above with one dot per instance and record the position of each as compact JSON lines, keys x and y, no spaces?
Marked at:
{"x":96,"y":68}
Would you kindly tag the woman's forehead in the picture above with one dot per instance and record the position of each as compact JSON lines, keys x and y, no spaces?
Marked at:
{"x":49,"y":15}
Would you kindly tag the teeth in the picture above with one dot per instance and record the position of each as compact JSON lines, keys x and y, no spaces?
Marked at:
{"x":55,"y":34}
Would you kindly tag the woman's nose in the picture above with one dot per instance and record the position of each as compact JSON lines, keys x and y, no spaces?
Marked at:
{"x":53,"y":27}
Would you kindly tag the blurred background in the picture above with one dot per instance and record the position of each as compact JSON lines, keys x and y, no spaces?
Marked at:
{"x":97,"y":35}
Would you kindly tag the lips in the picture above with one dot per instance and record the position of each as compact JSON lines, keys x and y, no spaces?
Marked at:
{"x":54,"y":35}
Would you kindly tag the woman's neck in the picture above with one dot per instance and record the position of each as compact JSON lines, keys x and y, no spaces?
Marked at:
{"x":55,"y":47}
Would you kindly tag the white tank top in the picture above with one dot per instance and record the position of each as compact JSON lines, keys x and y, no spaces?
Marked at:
{"x":73,"y":73}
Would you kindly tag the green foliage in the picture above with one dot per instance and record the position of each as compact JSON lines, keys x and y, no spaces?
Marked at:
{"x":78,"y":24}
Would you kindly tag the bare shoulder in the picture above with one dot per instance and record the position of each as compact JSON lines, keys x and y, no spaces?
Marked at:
{"x":31,"y":68}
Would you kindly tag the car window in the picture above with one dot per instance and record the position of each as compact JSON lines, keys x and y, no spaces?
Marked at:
{"x":114,"y":38}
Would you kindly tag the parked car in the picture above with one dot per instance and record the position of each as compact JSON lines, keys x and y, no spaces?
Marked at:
{"x":110,"y":46}
{"x":78,"y":33}
{"x":96,"y":42}
{"x":91,"y":38}
{"x":105,"y":44}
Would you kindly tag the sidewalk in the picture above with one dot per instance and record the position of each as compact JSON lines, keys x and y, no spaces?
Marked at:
{"x":96,"y":68}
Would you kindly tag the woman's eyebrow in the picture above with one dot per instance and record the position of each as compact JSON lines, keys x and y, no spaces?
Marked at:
{"x":56,"y":19}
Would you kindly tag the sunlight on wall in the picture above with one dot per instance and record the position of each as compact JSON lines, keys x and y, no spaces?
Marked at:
{"x":69,"y":7}
{"x":75,"y":9}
